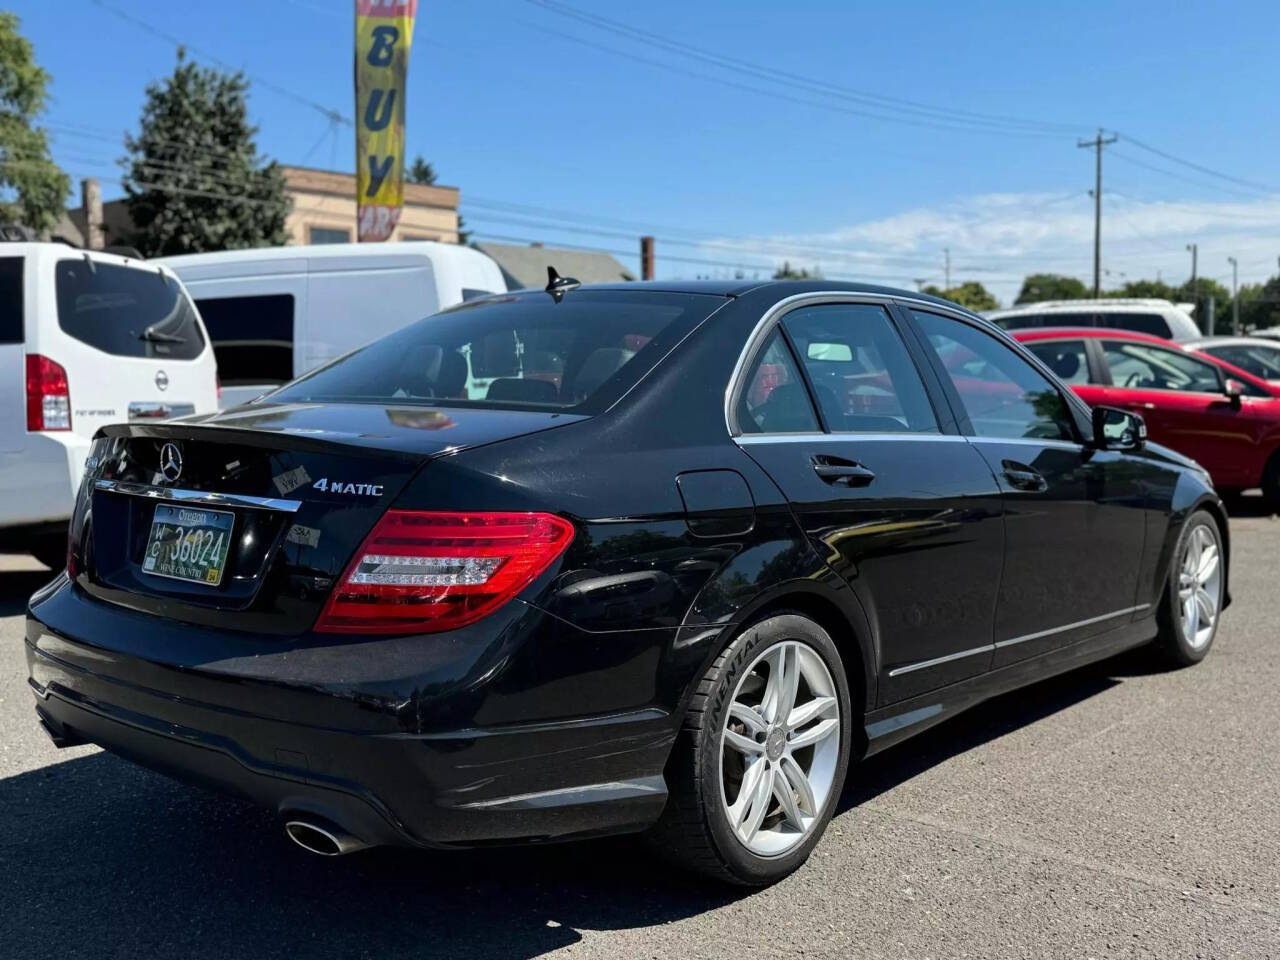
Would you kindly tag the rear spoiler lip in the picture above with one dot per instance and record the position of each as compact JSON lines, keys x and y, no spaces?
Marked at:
{"x":308,"y":443}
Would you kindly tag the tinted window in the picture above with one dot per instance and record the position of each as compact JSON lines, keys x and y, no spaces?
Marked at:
{"x":1141,"y":366}
{"x":863,"y":378}
{"x":1066,"y":358}
{"x":1262,"y":362}
{"x":1028,"y":320}
{"x":1151,"y":323}
{"x":252,"y":337}
{"x":126,"y":311}
{"x":529,"y":351}
{"x":775,"y":399}
{"x":328,"y":235}
{"x":1003,"y":395}
{"x":11,"y":309}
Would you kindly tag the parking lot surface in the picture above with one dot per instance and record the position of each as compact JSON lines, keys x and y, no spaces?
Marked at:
{"x":1118,"y":811}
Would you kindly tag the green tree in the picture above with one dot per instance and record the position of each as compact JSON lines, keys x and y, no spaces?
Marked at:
{"x":196,"y":181}
{"x":420,"y":171}
{"x":33,"y":191}
{"x":1051,"y":286}
{"x":1153,"y":289}
{"x":971,"y":295}
{"x":788,"y":272}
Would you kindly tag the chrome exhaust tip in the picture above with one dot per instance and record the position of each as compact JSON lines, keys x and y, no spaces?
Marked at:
{"x":321,"y":838}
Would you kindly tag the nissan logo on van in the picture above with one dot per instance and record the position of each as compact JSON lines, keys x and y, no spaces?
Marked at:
{"x":162,"y":380}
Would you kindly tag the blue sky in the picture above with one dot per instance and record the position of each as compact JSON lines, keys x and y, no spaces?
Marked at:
{"x":595,"y":130}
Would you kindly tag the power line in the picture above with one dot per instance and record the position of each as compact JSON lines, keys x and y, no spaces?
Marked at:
{"x":1185,"y":179}
{"x":992,"y":122}
{"x":1195,"y":166}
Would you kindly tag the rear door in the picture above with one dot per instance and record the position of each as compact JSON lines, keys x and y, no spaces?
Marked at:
{"x":900,"y":505}
{"x":1074,"y":516}
{"x":130,"y":341}
{"x":13,"y":407}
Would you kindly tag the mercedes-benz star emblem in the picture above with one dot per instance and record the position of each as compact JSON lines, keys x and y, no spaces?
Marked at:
{"x":170,"y":462}
{"x":162,"y":380}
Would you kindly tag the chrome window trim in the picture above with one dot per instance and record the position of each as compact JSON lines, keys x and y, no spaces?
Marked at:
{"x":752,"y":438}
{"x":784,"y":306}
{"x":205,"y":497}
{"x":1071,"y":626}
{"x":1029,"y":442}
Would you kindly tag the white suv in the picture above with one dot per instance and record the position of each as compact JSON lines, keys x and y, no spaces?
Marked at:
{"x":86,"y":339}
{"x":1160,"y":318}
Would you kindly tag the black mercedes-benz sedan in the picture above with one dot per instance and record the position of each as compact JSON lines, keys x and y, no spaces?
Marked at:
{"x":590,"y":560}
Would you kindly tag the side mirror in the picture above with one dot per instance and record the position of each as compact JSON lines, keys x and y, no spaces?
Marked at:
{"x":1234,"y":390}
{"x":1116,"y":429}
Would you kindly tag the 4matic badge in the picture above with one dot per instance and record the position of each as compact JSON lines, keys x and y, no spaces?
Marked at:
{"x":325,"y":485}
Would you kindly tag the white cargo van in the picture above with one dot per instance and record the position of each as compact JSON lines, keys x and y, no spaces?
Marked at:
{"x":1160,"y":318}
{"x":86,"y":339}
{"x":275,"y":313}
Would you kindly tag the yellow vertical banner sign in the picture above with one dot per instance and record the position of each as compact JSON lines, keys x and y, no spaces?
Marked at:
{"x":384,"y":31}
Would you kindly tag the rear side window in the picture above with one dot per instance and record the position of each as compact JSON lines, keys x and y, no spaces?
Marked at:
{"x":1151,"y":323}
{"x":1066,"y":358}
{"x":126,"y":311}
{"x":775,"y":399}
{"x":863,"y":378}
{"x":252,"y":337}
{"x":11,"y":309}
{"x":515,"y":352}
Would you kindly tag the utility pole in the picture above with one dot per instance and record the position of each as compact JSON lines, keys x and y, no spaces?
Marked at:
{"x":1235,"y":295}
{"x":946,"y":253}
{"x":1097,"y":143}
{"x":1195,"y":297}
{"x":646,"y":258}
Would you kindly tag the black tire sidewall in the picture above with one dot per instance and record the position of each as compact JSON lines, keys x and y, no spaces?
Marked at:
{"x":1183,"y":650}
{"x":748,"y":867}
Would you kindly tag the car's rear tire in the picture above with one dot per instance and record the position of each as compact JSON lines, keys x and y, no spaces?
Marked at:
{"x":50,"y":550}
{"x":1271,"y":483}
{"x":1194,"y":592}
{"x":760,"y":761}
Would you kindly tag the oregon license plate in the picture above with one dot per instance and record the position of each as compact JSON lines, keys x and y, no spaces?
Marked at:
{"x":189,"y":543}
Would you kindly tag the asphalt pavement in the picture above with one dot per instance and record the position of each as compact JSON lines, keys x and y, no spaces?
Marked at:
{"x":1119,"y":811}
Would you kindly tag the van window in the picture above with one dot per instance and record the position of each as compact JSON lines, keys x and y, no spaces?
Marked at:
{"x":11,"y":310}
{"x":514,"y":352}
{"x":126,"y":311}
{"x":252,"y":337}
{"x":1029,"y":320}
{"x":1151,"y":323}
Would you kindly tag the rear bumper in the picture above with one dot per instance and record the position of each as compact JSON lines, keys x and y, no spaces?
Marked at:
{"x":39,"y":482}
{"x":330,"y":753}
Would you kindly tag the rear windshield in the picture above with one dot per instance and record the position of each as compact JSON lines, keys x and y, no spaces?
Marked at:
{"x":126,"y":311}
{"x":519,"y":352}
{"x":252,"y":337}
{"x":1152,"y":323}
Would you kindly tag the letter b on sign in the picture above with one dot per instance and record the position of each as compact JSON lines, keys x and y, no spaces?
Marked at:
{"x":383,"y":47}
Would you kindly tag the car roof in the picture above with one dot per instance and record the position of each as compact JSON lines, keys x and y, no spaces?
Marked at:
{"x":1090,"y":333}
{"x":780,"y":288}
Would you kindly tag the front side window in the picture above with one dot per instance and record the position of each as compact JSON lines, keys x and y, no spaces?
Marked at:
{"x":1002,"y":395}
{"x":126,"y":311}
{"x":863,"y":378}
{"x":775,"y":399}
{"x":1141,"y":366}
{"x":1066,"y":358}
{"x":514,"y":352}
{"x":252,"y":337}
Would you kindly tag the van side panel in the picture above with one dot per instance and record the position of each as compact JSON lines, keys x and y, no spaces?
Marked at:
{"x":350,"y":307}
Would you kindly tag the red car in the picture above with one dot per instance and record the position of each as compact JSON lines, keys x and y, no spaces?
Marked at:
{"x":1217,"y":414}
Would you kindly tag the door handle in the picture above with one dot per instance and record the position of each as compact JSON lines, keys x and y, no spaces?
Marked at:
{"x":1022,"y":477}
{"x":841,"y":472}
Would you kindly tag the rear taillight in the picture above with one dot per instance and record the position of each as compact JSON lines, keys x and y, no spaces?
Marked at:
{"x":48,"y":396}
{"x":421,"y":572}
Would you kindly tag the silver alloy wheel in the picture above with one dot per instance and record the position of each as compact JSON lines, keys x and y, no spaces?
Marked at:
{"x":779,"y":748}
{"x":1200,"y":586}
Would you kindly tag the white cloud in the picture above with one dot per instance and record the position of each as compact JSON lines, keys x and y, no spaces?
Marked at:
{"x":998,"y":238}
